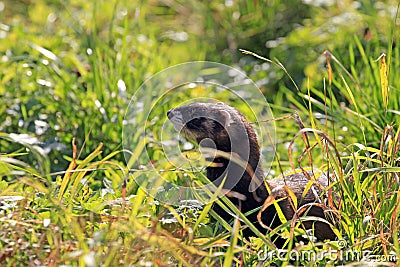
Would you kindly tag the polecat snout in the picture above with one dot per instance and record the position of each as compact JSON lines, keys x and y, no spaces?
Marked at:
{"x":227,"y":130}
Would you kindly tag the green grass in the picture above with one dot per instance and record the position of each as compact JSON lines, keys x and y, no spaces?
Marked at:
{"x":69,"y":69}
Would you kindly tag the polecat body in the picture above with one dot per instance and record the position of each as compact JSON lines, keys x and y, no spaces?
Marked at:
{"x":224,"y":128}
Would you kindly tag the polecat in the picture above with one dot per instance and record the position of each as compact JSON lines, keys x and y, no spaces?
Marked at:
{"x":224,"y":128}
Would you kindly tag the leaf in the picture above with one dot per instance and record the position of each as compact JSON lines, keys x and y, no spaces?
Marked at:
{"x":268,"y":202}
{"x":330,"y":73}
{"x":291,"y":195}
{"x":45,"y":52}
{"x":67,"y":174}
{"x":384,"y":69}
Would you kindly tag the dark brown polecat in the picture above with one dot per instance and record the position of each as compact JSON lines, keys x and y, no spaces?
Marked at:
{"x":225,"y":129}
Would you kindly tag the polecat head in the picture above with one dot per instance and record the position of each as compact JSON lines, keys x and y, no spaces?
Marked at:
{"x":224,"y":125}
{"x":218,"y":122}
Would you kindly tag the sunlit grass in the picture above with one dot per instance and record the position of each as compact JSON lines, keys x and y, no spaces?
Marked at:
{"x":67,"y":196}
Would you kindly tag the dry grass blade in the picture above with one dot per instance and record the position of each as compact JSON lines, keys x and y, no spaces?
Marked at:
{"x":384,"y":72}
{"x":67,"y":175}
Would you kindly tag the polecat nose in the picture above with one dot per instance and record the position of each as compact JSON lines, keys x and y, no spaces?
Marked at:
{"x":170,"y":113}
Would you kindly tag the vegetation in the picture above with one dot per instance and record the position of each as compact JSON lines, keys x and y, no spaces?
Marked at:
{"x":69,"y":69}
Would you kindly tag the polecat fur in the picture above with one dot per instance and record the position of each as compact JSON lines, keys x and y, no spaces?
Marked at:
{"x":226,"y":129}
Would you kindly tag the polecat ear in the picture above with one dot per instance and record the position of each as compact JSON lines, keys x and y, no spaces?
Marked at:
{"x":226,"y":117}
